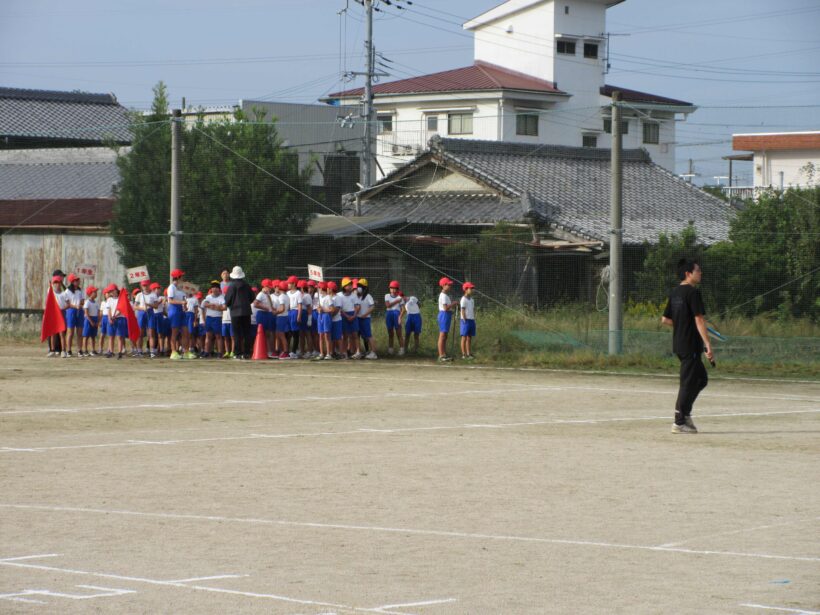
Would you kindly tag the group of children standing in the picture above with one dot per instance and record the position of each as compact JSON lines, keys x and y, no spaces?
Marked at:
{"x":300,"y":319}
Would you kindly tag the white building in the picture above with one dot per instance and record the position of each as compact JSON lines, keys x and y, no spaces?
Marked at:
{"x":779,"y":160}
{"x":537,"y":77}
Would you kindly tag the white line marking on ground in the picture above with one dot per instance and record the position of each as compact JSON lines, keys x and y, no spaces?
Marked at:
{"x":218,"y":576}
{"x":782,"y":609}
{"x":394,"y":530}
{"x":17,"y":597}
{"x":118,"y":577}
{"x":381,"y":609}
{"x":364,"y":430}
{"x":24,"y":557}
{"x":741,"y":531}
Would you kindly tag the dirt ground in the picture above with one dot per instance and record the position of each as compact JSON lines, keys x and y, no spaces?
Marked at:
{"x":140,"y":486}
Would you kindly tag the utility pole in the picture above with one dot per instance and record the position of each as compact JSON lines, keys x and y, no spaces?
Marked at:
{"x":616,"y":234}
{"x":176,"y":119}
{"x":367,"y":110}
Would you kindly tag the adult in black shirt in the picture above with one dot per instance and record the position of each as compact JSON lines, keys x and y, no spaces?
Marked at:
{"x":238,"y":298}
{"x":685,"y":314}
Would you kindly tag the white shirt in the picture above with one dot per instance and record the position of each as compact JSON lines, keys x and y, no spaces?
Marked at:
{"x":162,"y":306}
{"x":295,"y":297}
{"x":336,"y":301}
{"x":443,"y":302}
{"x":62,"y":301}
{"x":150,"y":299}
{"x":141,"y":301}
{"x":92,"y":308}
{"x":201,"y":312}
{"x":174,"y":294}
{"x":191,"y":304}
{"x":265,"y":300}
{"x":347,"y":302}
{"x":325,"y":301}
{"x":411,"y":305}
{"x":73,"y":298}
{"x":226,"y":315}
{"x":210,"y":300}
{"x":367,"y":304}
{"x":317,"y":301}
{"x":278,"y":301}
{"x":468,"y":305}
{"x":394,"y":308}
{"x":307,"y":301}
{"x":112,"y":307}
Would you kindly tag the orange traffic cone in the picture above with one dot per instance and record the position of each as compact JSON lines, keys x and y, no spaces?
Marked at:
{"x":260,"y":346}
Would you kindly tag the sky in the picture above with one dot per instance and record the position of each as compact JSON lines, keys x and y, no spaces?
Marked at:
{"x":749,"y":65}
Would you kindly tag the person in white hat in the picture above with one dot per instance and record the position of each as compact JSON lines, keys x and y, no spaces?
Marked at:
{"x":238,"y":298}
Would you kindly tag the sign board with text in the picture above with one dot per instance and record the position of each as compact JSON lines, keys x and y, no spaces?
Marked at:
{"x":189,"y":288}
{"x":315,"y":273}
{"x":137,"y":274}
{"x":86,"y":271}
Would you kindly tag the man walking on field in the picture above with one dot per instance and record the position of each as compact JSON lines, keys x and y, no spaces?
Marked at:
{"x":685,"y":314}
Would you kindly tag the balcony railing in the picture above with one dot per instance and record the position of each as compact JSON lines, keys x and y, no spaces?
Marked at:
{"x":402,"y":143}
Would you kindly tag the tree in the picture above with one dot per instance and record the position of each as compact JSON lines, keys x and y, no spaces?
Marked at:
{"x":240,"y":196}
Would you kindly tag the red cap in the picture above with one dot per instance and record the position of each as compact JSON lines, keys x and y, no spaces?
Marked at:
{"x":254,"y":289}
{"x":135,"y":292}
{"x":199,"y":294}
{"x":292,"y":279}
{"x":311,"y":283}
{"x":90,"y":290}
{"x":266,"y":283}
{"x":72,"y":277}
{"x":355,"y":282}
{"x":154,"y":286}
{"x":275,"y":283}
{"x":444,"y":281}
{"x":301,"y":284}
{"x":56,"y":278}
{"x":283,"y":285}
{"x":145,"y":282}
{"x":401,"y":294}
{"x":177,"y":273}
{"x":332,"y":286}
{"x":322,"y":285}
{"x":394,"y":284}
{"x":467,"y":285}
{"x":110,"y":288}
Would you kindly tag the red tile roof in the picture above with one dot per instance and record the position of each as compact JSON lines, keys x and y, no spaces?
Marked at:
{"x":777,"y":141}
{"x":56,"y":212}
{"x":478,"y":77}
{"x":628,"y":95}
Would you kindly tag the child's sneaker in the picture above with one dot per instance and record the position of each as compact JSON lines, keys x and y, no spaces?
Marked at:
{"x":119,"y":355}
{"x":94,"y":353}
{"x":390,"y":351}
{"x":175,"y":356}
{"x":358,"y":355}
{"x":444,"y":359}
{"x":190,"y":355}
{"x":401,"y":352}
{"x":293,"y":355}
{"x":470,"y":357}
{"x":328,"y":357}
{"x":109,"y":355}
{"x":284,"y":356}
{"x":683,"y":428}
{"x":371,"y":355}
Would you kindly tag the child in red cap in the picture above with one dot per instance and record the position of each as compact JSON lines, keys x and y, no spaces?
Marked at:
{"x":91,"y":323}
{"x":445,"y":317}
{"x":393,"y":303}
{"x":467,"y":321}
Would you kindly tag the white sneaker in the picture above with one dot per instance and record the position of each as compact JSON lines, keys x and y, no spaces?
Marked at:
{"x":293,"y":355}
{"x":401,"y":352}
{"x":65,"y":355}
{"x":371,"y":355}
{"x":683,"y":428}
{"x":358,"y":355}
{"x":390,"y":351}
{"x":51,"y":353}
{"x":328,"y":357}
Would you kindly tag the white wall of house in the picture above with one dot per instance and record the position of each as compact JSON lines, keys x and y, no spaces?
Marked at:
{"x":768,"y":165}
{"x":27,"y":260}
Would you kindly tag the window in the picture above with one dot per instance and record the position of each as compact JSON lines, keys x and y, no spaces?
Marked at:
{"x":566,"y":9}
{"x":589,"y":141}
{"x":460,"y":124}
{"x":651,"y":133}
{"x":432,"y":123}
{"x":526,"y":124}
{"x":608,"y":126}
{"x":590,"y":50}
{"x":566,"y":47}
{"x":385,"y":124}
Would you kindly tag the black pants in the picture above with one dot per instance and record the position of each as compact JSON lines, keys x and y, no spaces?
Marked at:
{"x":693,"y":379}
{"x":241,"y":326}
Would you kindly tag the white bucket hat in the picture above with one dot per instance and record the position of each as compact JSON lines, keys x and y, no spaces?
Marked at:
{"x":237,"y":273}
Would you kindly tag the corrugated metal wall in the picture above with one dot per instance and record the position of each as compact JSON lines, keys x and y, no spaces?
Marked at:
{"x":28,"y":260}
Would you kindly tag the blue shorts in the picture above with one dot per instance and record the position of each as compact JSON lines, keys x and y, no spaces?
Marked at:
{"x":365,"y":330}
{"x":73,"y":318}
{"x":314,"y":324}
{"x":104,"y":325}
{"x":467,"y":328}
{"x":267,"y":321}
{"x":303,"y":326}
{"x":227,"y":330}
{"x":213,"y":324}
{"x":445,"y":320}
{"x":293,"y":320}
{"x":412,"y":324}
{"x":189,"y":322}
{"x":176,"y":317}
{"x":391,"y":319}
{"x":144,"y":320}
{"x":335,"y":330}
{"x":350,"y":326}
{"x":88,"y":329}
{"x":163,"y":325}
{"x":282,"y":324}
{"x":325,"y":323}
{"x":121,"y":326}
